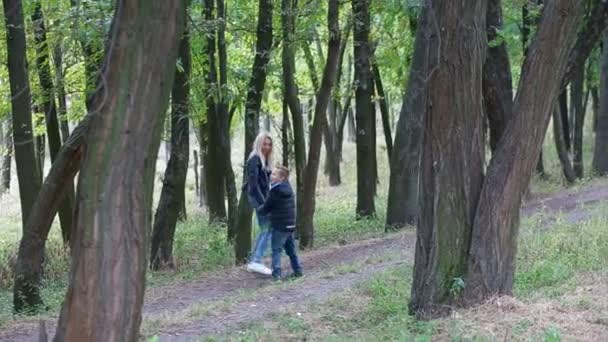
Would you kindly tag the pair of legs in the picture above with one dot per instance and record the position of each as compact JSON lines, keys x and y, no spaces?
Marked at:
{"x":284,"y":240}
{"x":261,"y":242}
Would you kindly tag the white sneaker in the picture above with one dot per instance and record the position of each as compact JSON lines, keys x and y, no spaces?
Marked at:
{"x":258,"y":268}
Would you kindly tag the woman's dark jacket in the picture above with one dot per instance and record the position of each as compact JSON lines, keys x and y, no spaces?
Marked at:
{"x":258,"y":182}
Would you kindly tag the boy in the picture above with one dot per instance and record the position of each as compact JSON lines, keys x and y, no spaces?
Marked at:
{"x":280,"y":206}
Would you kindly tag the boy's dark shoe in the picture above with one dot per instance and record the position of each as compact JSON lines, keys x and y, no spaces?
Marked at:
{"x":295,"y":275}
{"x":276,"y":279}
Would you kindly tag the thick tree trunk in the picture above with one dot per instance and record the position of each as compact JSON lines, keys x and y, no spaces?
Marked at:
{"x":111,"y":241}
{"x":497,"y":82}
{"x":43,"y":68}
{"x":28,"y":171}
{"x":494,"y":239}
{"x":216,"y":195}
{"x":452,"y":155}
{"x":305,"y":221}
{"x":578,"y":116}
{"x":255,"y":91}
{"x":600,"y":153}
{"x":172,"y":194}
{"x":559,"y":135}
{"x":288,"y":20}
{"x":57,"y":185}
{"x":7,"y":157}
{"x":386,"y":121}
{"x":365,"y":113}
{"x":402,"y":206}
{"x":595,"y":105}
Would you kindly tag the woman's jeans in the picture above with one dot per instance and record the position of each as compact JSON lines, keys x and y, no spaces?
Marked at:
{"x":261,"y":242}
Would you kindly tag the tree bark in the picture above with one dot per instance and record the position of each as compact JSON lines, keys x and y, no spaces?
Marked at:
{"x":305,"y":221}
{"x":365,"y":113}
{"x":578,"y":115}
{"x":497,"y":82}
{"x":595,"y":105}
{"x":402,"y":206}
{"x":174,"y":182}
{"x":28,"y":171}
{"x":43,"y":68}
{"x":600,"y":152}
{"x":255,"y":91}
{"x":491,"y":261}
{"x":559,"y":134}
{"x":288,"y":22}
{"x":215,"y":163}
{"x":7,"y":157}
{"x":111,"y":241}
{"x":452,"y":155}
{"x":57,"y":185}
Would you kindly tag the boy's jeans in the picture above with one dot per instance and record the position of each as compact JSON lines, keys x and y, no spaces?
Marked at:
{"x":261,"y":242}
{"x":282,"y":240}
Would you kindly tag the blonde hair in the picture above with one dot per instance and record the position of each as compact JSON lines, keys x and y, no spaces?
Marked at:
{"x":256,"y":149}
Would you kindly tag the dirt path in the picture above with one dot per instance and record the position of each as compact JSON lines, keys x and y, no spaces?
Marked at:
{"x":228,"y":300}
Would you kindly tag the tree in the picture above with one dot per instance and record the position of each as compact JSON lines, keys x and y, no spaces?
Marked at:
{"x":28,"y":170}
{"x":452,"y":148}
{"x":365,"y":112}
{"x":491,"y":263}
{"x":255,"y":91}
{"x":172,"y":198}
{"x":111,"y":241}
{"x":600,"y":153}
{"x":497,"y":82}
{"x":402,"y":205}
{"x":560,"y":134}
{"x":467,"y":230}
{"x":307,"y":203}
{"x":578,"y":118}
{"x":43,"y":68}
{"x":290,"y":92}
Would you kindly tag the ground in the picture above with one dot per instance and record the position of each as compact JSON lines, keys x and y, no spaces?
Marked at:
{"x":360,"y":290}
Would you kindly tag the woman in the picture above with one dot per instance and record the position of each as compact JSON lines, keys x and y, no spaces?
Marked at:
{"x":258,"y":172}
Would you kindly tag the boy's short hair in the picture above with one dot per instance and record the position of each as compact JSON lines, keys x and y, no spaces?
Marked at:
{"x":283,"y":171}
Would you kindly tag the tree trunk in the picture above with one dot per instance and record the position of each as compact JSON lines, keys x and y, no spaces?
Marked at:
{"x":215,"y":163}
{"x":365,"y":113}
{"x":174,"y":182}
{"x":559,"y":135}
{"x":111,"y":241}
{"x":595,"y":104}
{"x":43,"y":68}
{"x":497,"y":82}
{"x":600,"y":153}
{"x":288,"y":17}
{"x":255,"y":91}
{"x":402,"y":206}
{"x":285,"y":130}
{"x":61,"y":97}
{"x":7,"y":157}
{"x":578,"y":115}
{"x":491,"y":261}
{"x":58,"y":184}
{"x":452,"y":155}
{"x":197,"y":184}
{"x":226,"y":121}
{"x":28,"y":171}
{"x":305,"y":222}
{"x":386,"y":122}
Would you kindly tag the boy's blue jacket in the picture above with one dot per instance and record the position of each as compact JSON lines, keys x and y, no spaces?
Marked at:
{"x":281,"y":208}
